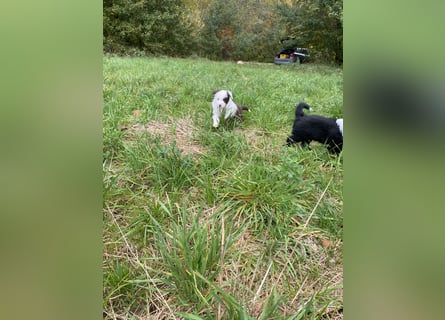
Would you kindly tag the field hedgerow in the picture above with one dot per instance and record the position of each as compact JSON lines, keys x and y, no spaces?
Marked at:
{"x":226,"y":223}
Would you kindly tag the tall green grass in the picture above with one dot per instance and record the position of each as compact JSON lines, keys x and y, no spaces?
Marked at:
{"x":246,"y":228}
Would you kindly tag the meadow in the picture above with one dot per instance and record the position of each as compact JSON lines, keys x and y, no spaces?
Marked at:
{"x":227,"y":223}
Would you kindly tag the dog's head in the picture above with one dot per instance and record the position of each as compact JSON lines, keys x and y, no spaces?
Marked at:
{"x":222,"y":97}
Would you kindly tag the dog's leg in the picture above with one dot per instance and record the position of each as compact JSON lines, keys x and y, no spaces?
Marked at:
{"x":228,"y":114}
{"x":333,"y":147}
{"x":230,"y":110}
{"x":215,"y":115}
{"x":290,"y":141}
{"x":215,"y":121}
{"x":306,"y":144}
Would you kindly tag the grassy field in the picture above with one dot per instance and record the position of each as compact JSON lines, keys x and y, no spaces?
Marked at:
{"x":218,"y":224}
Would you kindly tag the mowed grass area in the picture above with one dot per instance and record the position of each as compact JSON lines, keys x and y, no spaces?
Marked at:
{"x":218,"y":224}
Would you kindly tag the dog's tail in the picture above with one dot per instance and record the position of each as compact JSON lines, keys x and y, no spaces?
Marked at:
{"x":245,"y":108}
{"x":299,"y":110}
{"x":240,"y":109}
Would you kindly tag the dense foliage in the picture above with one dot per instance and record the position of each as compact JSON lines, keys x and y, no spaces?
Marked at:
{"x":223,"y":29}
{"x":317,"y":23}
{"x":151,"y":26}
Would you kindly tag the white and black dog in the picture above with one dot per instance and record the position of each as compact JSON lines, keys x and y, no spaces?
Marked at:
{"x":307,"y":128}
{"x":223,"y":104}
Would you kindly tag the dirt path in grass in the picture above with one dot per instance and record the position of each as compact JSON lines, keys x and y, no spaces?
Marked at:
{"x":179,"y":130}
{"x":183,"y":132}
{"x":260,"y":139}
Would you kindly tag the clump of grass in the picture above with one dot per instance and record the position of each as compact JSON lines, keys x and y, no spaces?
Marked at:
{"x":267,"y":195}
{"x":120,"y":279}
{"x":193,"y":251}
{"x":163,"y":167}
{"x":224,"y":144}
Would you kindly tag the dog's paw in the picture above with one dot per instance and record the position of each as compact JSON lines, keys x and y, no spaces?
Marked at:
{"x":289,"y":141}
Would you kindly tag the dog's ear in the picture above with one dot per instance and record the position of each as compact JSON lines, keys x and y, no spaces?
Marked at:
{"x":227,"y":99}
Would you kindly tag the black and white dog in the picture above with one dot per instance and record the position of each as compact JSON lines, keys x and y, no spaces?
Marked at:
{"x":223,"y":104}
{"x":307,"y":128}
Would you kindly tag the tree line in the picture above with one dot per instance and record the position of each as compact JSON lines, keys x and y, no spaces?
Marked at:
{"x":250,"y":30}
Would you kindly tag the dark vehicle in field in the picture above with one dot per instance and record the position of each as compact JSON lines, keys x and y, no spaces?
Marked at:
{"x":292,"y":55}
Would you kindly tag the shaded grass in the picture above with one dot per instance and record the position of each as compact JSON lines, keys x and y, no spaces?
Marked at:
{"x":246,"y":228}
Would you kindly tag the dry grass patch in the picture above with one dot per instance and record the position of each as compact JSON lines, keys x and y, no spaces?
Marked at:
{"x":263,"y":140}
{"x":180,"y":131}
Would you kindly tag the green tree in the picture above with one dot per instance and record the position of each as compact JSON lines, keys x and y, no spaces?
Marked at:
{"x":317,"y":24}
{"x":246,"y":30}
{"x":259,"y":34}
{"x":220,"y":21}
{"x":224,"y":29}
{"x":149,"y":26}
